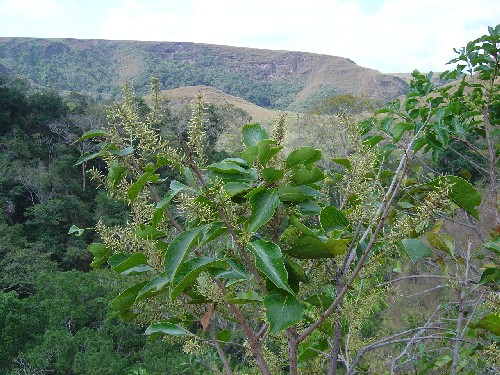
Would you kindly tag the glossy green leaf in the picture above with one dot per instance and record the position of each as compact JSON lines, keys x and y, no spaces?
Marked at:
{"x":234,"y":188}
{"x":294,"y":220}
{"x":116,"y":173}
{"x":322,"y":300}
{"x":332,"y":218}
{"x":269,"y":261}
{"x":443,"y":242}
{"x":462,"y":193}
{"x":416,"y":249}
{"x":155,"y":286}
{"x":304,"y":155}
{"x":263,"y":204}
{"x":189,"y":271}
{"x":132,"y":260}
{"x":249,"y":154}
{"x":243,"y":298}
{"x":123,"y":152}
{"x":126,"y":298}
{"x":227,"y":167}
{"x":136,"y":187}
{"x":212,"y":232}
{"x":343,"y":162}
{"x":490,"y":322}
{"x":100,"y":252}
{"x":309,"y":207}
{"x":92,"y":134}
{"x":87,"y":156}
{"x":266,"y":151}
{"x":175,"y":187}
{"x":272,"y":174}
{"x":337,"y":246}
{"x":289,"y":193}
{"x":282,"y":310}
{"x":491,"y":276}
{"x":167,"y":328}
{"x":305,"y":175}
{"x":76,"y":231}
{"x":253,"y":134}
{"x":178,"y":250}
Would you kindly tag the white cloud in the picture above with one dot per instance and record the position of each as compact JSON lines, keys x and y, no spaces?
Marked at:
{"x":29,"y":10}
{"x":396,"y":35}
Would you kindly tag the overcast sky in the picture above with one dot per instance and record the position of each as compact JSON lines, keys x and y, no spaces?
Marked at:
{"x":387,"y":35}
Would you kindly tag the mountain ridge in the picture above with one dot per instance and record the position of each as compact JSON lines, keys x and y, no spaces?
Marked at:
{"x":276,"y":79}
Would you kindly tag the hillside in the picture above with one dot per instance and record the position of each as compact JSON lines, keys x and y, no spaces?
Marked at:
{"x":271,"y":79}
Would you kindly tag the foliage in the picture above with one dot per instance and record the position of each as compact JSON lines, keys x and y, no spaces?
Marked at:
{"x":254,"y":241}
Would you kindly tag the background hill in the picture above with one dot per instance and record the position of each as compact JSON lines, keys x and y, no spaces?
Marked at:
{"x":270,"y":79}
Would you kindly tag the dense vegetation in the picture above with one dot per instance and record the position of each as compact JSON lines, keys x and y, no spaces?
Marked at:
{"x":275,"y":259}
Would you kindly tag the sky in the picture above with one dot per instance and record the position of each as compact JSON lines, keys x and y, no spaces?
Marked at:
{"x":391,"y":36}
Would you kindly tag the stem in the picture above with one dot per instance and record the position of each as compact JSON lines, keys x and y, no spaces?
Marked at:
{"x":461,"y":313}
{"x":291,"y":334}
{"x":220,"y":352}
{"x":488,"y":128}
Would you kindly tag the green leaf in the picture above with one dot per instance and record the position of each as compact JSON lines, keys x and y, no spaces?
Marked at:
{"x":337,"y":246}
{"x":127,"y":298}
{"x":212,"y":232}
{"x":123,"y":152}
{"x":189,"y":271}
{"x":282,"y":310}
{"x":269,"y":261}
{"x":294,"y":220}
{"x":263,"y":204}
{"x":235,"y":188}
{"x":167,"y":328}
{"x":443,"y":242}
{"x":86,"y":157}
{"x":289,"y":193}
{"x":304,"y":155}
{"x":332,"y":218}
{"x":116,"y":173}
{"x":76,"y":231}
{"x":153,"y":287}
{"x":309,"y":207}
{"x":462,"y":193}
{"x":309,"y":251}
{"x":227,"y":167}
{"x":398,"y":130}
{"x":305,"y":175}
{"x":491,"y":276}
{"x":136,"y":187}
{"x":178,"y":249}
{"x":321,"y":300}
{"x":343,"y":162}
{"x":373,"y":141}
{"x":272,"y":174}
{"x":242,"y":298}
{"x":490,"y":322}
{"x":249,"y":154}
{"x":132,"y":260}
{"x":265,"y":152}
{"x":92,"y":134}
{"x":100,"y":252}
{"x":253,"y":134}
{"x":416,"y":249}
{"x":175,"y":187}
